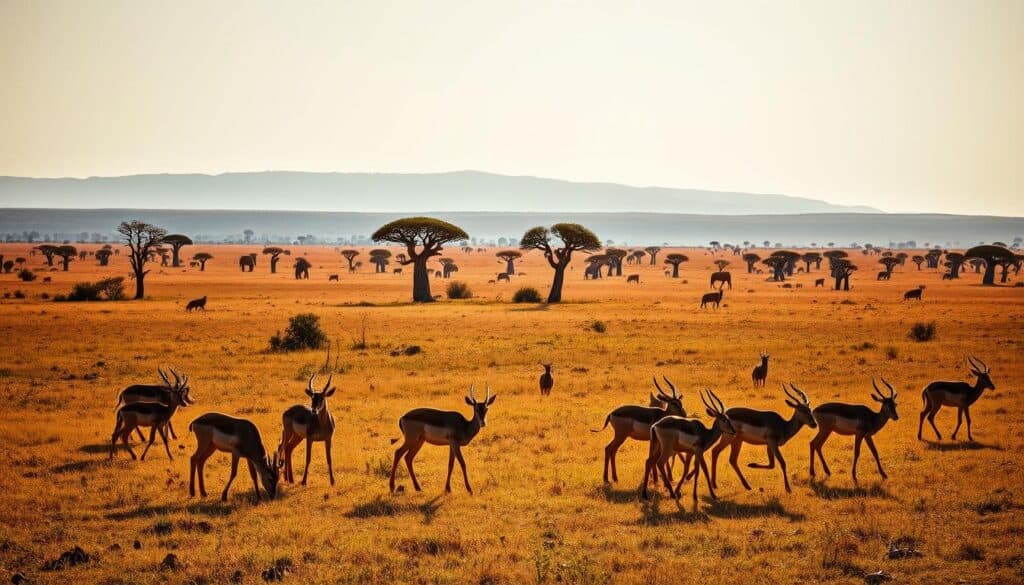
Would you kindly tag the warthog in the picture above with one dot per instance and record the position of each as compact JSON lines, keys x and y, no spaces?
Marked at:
{"x":819,"y":282}
{"x":503,"y":276}
{"x":333,"y":277}
{"x":913,"y":294}
{"x":884,"y":275}
{"x":196,"y":304}
{"x":634,"y":278}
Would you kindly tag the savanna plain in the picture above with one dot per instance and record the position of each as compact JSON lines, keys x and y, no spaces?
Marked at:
{"x":541,"y":512}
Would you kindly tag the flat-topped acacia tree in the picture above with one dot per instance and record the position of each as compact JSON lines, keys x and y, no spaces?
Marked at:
{"x":932,"y":257}
{"x":918,"y":259}
{"x":750,"y":258}
{"x":202,"y":258}
{"x":954,"y":261}
{"x":653,"y":251}
{"x":275,"y":255}
{"x":176,"y":241}
{"x":574,"y":238}
{"x":675,"y":260}
{"x":889,"y":262}
{"x":379,"y":258}
{"x":67,"y":253}
{"x":103,"y":256}
{"x":811,"y":258}
{"x":424,"y":238}
{"x":141,"y":239}
{"x":993,"y":256}
{"x":509,"y":257}
{"x":615,"y":256}
{"x":350,"y":255}
{"x":47,"y":250}
{"x":791,"y":259}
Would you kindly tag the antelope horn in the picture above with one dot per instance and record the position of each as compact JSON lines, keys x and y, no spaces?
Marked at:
{"x":328,"y":384}
{"x":309,"y":384}
{"x":786,"y":390}
{"x":704,"y":399}
{"x":984,"y":368}
{"x":892,"y":391}
{"x":660,"y":391}
{"x":164,"y":376}
{"x":974,"y":366}
{"x":873,"y":383}
{"x":471,"y":397}
{"x":718,"y":401}
{"x":488,"y":397}
{"x":177,"y":378}
{"x":671,"y":385}
{"x":803,"y":395}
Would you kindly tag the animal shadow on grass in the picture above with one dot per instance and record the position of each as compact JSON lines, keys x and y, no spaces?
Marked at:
{"x":380,"y":507}
{"x":968,"y":446}
{"x":75,"y":466}
{"x":616,"y":496}
{"x":651,"y":514}
{"x":733,"y":510}
{"x":98,"y":448}
{"x":827,"y":492}
{"x":212,"y":509}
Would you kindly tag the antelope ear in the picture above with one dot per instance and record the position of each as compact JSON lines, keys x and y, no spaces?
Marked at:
{"x":330,"y":392}
{"x":875,"y":398}
{"x":491,"y":401}
{"x":309,"y":392}
{"x":469,"y":402}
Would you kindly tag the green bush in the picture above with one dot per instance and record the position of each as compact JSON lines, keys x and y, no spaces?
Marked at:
{"x":922,"y":331}
{"x":26,"y":275}
{"x":108,"y":289}
{"x":459,"y":290}
{"x":303,"y":332}
{"x":526,"y":294}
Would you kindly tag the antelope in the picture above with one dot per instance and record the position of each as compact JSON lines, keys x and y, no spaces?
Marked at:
{"x":857,"y":420}
{"x":634,"y":278}
{"x":884,"y":275}
{"x":397,"y":271}
{"x":633,"y":421}
{"x":760,"y":373}
{"x":947,"y":276}
{"x":675,"y":434}
{"x":155,"y":393}
{"x":440,"y":427}
{"x":820,"y":282}
{"x":715,"y":297}
{"x":154,"y":415}
{"x":547,"y":382}
{"x":333,"y":277}
{"x":759,"y":427}
{"x":310,"y":423}
{"x":503,"y":276}
{"x":913,"y":294}
{"x":219,"y":432}
{"x":959,"y":394}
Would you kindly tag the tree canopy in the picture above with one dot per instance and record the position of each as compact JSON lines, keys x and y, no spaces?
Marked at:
{"x":992,"y":255}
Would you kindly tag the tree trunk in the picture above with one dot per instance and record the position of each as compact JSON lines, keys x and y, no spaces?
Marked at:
{"x":990,"y":274}
{"x":175,"y":263}
{"x":654,"y":256}
{"x":421,"y":280}
{"x":675,"y":271}
{"x":140,"y":288}
{"x":750,"y":267}
{"x":510,"y":267}
{"x":67,"y":260}
{"x":555,"y":296}
{"x":202,"y":266}
{"x":273,"y":264}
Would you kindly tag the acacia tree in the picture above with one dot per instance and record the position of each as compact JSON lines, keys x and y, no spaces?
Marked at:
{"x":954,"y":261}
{"x":379,"y":258}
{"x":675,"y":260}
{"x":992,"y":256}
{"x":103,"y":256}
{"x":778,"y":266}
{"x":750,"y":258}
{"x":202,"y":258}
{"x":653,"y":251}
{"x":47,"y":250}
{"x":834,"y":256}
{"x":141,"y":238}
{"x":275,"y":254}
{"x":918,"y":259}
{"x":638,"y":256}
{"x":509,"y":257}
{"x":841,"y":271}
{"x":424,"y":238}
{"x":176,"y":241}
{"x":448,"y":266}
{"x":932,"y":257}
{"x":889,"y":262}
{"x":791,"y":259}
{"x":594,"y":264}
{"x":721,"y":264}
{"x":67,"y":253}
{"x":574,"y":238}
{"x":615,"y":256}
{"x":811,"y":258}
{"x":350,"y":255}
{"x":902,"y":257}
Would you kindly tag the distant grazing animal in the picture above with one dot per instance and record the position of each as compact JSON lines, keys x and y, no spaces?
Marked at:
{"x":159,"y":393}
{"x":312,"y":423}
{"x":219,"y":432}
{"x":714,"y":298}
{"x":396,"y":271}
{"x":440,"y":427}
{"x":884,"y":275}
{"x":857,"y":420}
{"x":154,"y":415}
{"x":437,"y":274}
{"x":759,"y":427}
{"x":724,"y":277}
{"x":547,"y":381}
{"x":247,"y":263}
{"x":819,"y":282}
{"x":913,"y":294}
{"x":760,"y":373}
{"x":193,"y":264}
{"x":668,"y":273}
{"x":503,"y":276}
{"x":633,"y":421}
{"x":47,"y":279}
{"x":490,"y":282}
{"x":947,"y":276}
{"x":196,"y":304}
{"x":333,"y":277}
{"x":634,"y":278}
{"x":959,"y":394}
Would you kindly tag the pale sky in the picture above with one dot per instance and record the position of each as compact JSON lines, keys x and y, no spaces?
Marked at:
{"x":912,"y":106}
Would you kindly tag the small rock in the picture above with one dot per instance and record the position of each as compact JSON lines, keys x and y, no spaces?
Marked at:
{"x":137,"y":545}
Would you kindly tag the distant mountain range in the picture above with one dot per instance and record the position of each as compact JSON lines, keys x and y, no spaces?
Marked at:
{"x":462,"y":191}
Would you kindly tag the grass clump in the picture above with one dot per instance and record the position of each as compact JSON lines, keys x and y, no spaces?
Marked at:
{"x":922,"y":331}
{"x":303,"y":332}
{"x":459,"y":290}
{"x":599,"y":326}
{"x":26,"y":275}
{"x":526,"y":294}
{"x":108,"y":289}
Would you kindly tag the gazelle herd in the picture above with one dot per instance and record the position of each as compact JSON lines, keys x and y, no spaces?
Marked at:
{"x":664,"y":424}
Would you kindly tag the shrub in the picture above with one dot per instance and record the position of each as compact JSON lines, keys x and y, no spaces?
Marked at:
{"x":526,"y":294}
{"x":459,"y":290}
{"x":599,"y":326}
{"x":44,"y":296}
{"x":26,"y":275}
{"x":113,"y":288}
{"x":922,"y":331}
{"x":108,"y":289}
{"x":891,"y":352}
{"x":303,"y":332}
{"x":18,"y":294}
{"x":85,"y":291}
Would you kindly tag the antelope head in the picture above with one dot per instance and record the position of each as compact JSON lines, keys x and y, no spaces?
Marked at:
{"x":269,"y":474}
{"x":887,"y":399}
{"x":716,"y":410}
{"x":480,"y":407}
{"x":673,"y":402}
{"x":979,"y":369}
{"x":319,"y":398}
{"x":179,"y":387}
{"x":799,"y":402}
{"x":764,"y":356}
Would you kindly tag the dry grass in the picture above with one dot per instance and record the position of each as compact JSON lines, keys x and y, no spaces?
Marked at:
{"x":541,"y":513}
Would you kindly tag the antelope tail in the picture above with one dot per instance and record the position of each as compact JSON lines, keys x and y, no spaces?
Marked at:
{"x":606,"y":420}
{"x":117,"y":404}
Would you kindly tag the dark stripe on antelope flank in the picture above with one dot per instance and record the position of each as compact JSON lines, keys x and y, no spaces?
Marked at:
{"x":433,"y":417}
{"x":643,"y":414}
{"x":844,"y":410}
{"x":749,"y":416}
{"x":146,"y":408}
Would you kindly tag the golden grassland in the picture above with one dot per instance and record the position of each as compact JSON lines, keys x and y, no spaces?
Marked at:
{"x":541,"y":513}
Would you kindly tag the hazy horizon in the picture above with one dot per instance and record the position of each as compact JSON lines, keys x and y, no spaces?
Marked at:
{"x":909,"y":108}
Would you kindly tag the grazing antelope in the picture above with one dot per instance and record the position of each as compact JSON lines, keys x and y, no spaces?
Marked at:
{"x":503,"y":276}
{"x":547,"y":381}
{"x":820,"y":282}
{"x":947,"y":276}
{"x":219,"y":432}
{"x":884,"y":275}
{"x":634,"y":278}
{"x":857,"y":420}
{"x":196,"y":304}
{"x":312,"y":423}
{"x":333,"y":277}
{"x":155,"y":393}
{"x":959,"y":394}
{"x":633,"y":421}
{"x":760,"y":373}
{"x":759,"y":427}
{"x":674,"y":434}
{"x":154,"y":415}
{"x":440,"y":427}
{"x":715,"y":297}
{"x":913,"y":294}
{"x":397,"y":271}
